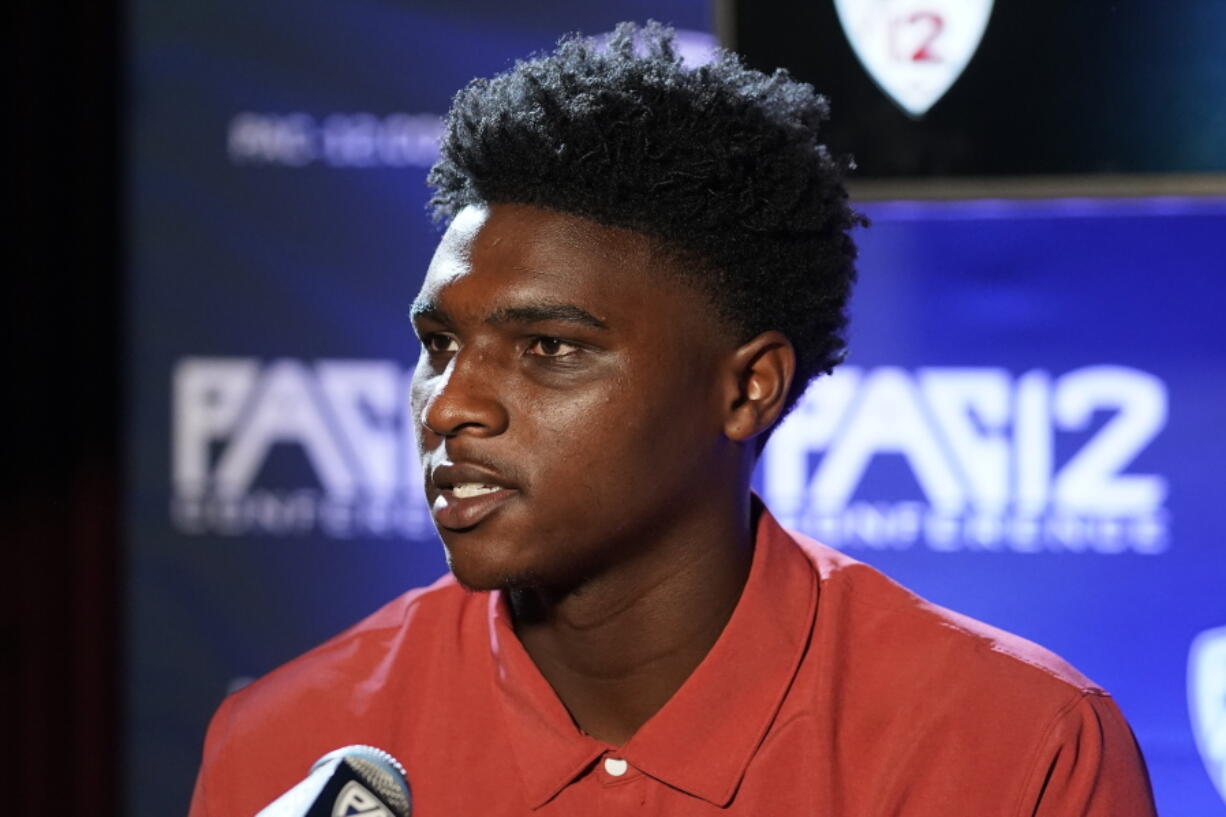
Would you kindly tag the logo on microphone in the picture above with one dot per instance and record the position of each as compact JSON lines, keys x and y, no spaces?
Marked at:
{"x":914,"y":49}
{"x":1207,"y":701}
{"x":355,"y":799}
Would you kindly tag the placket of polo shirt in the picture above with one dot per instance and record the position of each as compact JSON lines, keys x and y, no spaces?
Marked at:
{"x":623,"y":788}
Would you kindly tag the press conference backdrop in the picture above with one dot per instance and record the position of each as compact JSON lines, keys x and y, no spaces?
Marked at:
{"x":981,"y":88}
{"x":1028,"y":428}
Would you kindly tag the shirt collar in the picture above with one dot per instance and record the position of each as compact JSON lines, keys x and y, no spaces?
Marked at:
{"x":703,"y":739}
{"x":549,"y":749}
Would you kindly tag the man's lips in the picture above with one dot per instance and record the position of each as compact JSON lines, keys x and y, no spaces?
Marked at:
{"x":467,"y":493}
{"x":456,"y":513}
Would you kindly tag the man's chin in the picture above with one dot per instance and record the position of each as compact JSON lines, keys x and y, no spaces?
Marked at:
{"x":484,"y":578}
{"x":482,"y":570}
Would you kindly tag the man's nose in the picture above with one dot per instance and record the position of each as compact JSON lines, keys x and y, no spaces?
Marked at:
{"x":464,"y":399}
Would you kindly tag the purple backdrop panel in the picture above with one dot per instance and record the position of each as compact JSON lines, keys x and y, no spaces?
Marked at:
{"x":1026,"y":430}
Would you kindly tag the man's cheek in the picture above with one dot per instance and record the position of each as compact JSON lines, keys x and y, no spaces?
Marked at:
{"x":584,"y":412}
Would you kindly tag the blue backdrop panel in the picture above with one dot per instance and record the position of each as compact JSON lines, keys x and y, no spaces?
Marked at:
{"x":1027,"y":429}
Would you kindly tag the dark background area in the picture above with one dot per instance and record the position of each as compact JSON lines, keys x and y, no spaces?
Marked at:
{"x":1054,"y":88}
{"x":64,"y":325}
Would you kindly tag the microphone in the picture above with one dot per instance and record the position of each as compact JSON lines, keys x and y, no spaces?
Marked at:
{"x":348,"y":782}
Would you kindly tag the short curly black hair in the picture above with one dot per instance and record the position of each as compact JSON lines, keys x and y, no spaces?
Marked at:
{"x":720,"y":164}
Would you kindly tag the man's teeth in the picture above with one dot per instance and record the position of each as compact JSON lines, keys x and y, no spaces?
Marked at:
{"x":467,"y":489}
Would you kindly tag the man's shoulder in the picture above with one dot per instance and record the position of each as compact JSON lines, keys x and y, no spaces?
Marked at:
{"x":884,"y":624}
{"x":359,"y":686}
{"x":419,"y":622}
{"x":929,"y":705}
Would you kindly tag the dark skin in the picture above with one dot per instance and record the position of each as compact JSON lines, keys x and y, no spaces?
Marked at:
{"x":587,"y":425}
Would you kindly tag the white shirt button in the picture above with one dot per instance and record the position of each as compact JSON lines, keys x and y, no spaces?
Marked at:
{"x":615,"y":766}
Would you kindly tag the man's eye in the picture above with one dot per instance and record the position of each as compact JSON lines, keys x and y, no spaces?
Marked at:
{"x":437,"y":343}
{"x":551,"y":347}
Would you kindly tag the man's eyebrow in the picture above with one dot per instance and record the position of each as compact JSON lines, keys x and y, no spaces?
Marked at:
{"x":538,"y":313}
{"x":427,"y":309}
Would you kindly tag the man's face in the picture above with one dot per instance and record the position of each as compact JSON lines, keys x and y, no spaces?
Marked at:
{"x":566,"y":396}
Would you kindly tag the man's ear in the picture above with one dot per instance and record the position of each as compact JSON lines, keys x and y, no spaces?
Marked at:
{"x":757,"y":378}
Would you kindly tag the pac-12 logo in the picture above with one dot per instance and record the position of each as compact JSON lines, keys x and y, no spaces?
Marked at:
{"x":344,"y":418}
{"x":914,"y":49}
{"x":1207,"y":701}
{"x":1029,"y":463}
{"x":355,"y":800}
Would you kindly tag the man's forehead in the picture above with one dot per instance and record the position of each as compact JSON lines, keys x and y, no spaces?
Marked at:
{"x":453,"y":256}
{"x":525,"y":227}
{"x":521,"y":310}
{"x":464,"y":228}
{"x":503,"y":249}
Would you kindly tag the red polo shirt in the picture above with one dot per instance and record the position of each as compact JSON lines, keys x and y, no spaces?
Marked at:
{"x":831,"y":691}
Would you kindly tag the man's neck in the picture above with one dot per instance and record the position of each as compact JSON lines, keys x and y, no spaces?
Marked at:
{"x":617,"y":648}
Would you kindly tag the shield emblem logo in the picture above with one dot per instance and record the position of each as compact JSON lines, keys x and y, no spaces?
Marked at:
{"x":1207,"y":701}
{"x":914,"y":49}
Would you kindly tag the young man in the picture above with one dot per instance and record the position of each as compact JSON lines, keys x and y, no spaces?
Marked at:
{"x":644,"y":268}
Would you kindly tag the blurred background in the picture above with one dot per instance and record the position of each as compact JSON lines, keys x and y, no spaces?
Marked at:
{"x":220,"y":224}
